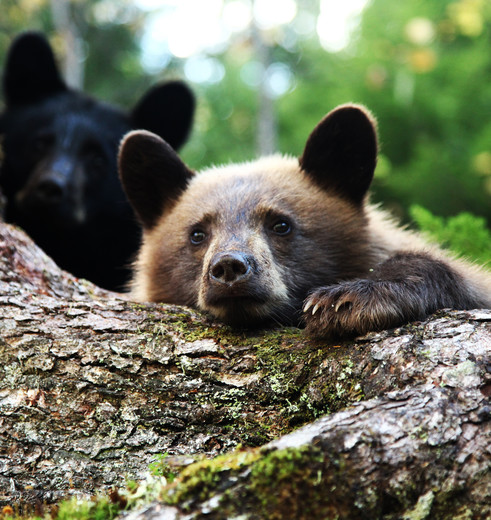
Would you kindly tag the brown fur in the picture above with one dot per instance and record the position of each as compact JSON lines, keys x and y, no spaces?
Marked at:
{"x":356,"y":270}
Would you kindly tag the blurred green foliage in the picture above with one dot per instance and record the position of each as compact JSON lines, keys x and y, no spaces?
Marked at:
{"x":423,"y":68}
{"x":464,"y":234}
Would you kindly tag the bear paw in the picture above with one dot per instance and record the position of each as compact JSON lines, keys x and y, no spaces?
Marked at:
{"x":352,"y":308}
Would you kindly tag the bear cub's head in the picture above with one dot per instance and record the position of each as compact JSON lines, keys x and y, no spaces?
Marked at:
{"x":248,"y":242}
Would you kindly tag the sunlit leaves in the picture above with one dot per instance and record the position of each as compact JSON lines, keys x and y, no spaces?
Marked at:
{"x":468,"y":16}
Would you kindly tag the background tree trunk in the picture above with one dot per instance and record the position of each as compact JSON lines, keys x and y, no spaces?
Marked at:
{"x":267,"y":134}
{"x":93,"y":387}
{"x":73,"y":62}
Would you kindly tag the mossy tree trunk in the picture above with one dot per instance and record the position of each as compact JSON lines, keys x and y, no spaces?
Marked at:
{"x":93,"y":387}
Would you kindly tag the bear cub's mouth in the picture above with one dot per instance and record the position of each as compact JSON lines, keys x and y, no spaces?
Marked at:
{"x":248,"y":309}
{"x":243,"y":307}
{"x":236,"y":297}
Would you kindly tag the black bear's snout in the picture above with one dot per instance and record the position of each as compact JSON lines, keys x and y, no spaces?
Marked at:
{"x":50,"y":190}
{"x":230,"y":268}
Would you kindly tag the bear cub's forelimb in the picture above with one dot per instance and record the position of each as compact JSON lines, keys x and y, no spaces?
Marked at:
{"x":404,"y":288}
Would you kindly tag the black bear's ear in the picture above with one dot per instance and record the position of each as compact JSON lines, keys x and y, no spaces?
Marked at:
{"x":152,"y":174}
{"x":166,"y":110}
{"x":341,"y":152}
{"x":31,"y":73}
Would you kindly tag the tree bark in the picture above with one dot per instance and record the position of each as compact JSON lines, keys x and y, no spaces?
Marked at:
{"x":93,"y":387}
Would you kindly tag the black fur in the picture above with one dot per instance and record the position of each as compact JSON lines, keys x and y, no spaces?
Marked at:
{"x":59,"y":169}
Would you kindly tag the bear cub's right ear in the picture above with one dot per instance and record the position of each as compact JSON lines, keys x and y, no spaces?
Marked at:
{"x":152,"y":174}
{"x":341,"y":153}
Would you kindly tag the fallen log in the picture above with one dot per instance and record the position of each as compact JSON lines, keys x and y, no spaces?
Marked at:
{"x":94,"y":387}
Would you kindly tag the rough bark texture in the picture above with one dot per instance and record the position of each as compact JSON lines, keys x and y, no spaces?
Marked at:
{"x":94,"y":387}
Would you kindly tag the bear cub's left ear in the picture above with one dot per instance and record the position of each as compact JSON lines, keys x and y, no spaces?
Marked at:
{"x":152,"y":174}
{"x":341,"y":153}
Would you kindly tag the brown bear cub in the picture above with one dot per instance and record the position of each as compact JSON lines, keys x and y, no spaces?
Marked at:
{"x":285,"y":240}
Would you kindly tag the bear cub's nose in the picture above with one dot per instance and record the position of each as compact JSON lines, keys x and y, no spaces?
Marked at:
{"x":230,"y":268}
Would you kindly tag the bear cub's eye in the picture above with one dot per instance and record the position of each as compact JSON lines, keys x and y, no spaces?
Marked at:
{"x":197,"y":236}
{"x":282,"y":227}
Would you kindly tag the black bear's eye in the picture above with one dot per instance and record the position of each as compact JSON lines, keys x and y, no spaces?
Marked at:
{"x":97,"y":161}
{"x":197,"y":236}
{"x":282,"y":227}
{"x":42,"y":142}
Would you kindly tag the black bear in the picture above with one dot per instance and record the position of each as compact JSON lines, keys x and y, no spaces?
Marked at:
{"x":286,"y":240}
{"x":59,"y":169}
